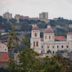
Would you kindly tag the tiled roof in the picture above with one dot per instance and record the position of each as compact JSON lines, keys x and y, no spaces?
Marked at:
{"x":60,"y":38}
{"x":49,"y":30}
{"x":4,"y":57}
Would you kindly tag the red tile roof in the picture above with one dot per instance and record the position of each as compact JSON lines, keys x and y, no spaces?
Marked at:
{"x":4,"y":57}
{"x":49,"y":30}
{"x":60,"y":38}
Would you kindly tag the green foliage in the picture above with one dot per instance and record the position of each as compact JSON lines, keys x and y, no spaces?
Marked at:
{"x":26,"y":41}
{"x":12,"y":42}
{"x":31,"y":62}
{"x":28,"y":60}
{"x":52,"y":65}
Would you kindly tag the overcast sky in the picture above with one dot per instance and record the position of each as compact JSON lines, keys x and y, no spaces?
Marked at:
{"x":32,"y":8}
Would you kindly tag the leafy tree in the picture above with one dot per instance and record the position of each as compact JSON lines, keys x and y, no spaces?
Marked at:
{"x":26,"y":41}
{"x":12,"y":42}
{"x":28,"y":60}
{"x":51,"y":65}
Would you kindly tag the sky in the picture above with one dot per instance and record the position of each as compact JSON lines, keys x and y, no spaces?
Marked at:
{"x":32,"y":8}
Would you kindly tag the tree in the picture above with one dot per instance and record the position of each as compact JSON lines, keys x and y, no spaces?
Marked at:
{"x":12,"y":42}
{"x":26,"y":41}
{"x":52,"y":65}
{"x":28,"y":60}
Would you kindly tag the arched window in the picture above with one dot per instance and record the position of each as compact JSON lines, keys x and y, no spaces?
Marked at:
{"x":67,"y":46}
{"x":49,"y":37}
{"x":62,"y":46}
{"x":35,"y":34}
{"x":57,"y":46}
{"x":34,"y":44}
{"x":37,"y":43}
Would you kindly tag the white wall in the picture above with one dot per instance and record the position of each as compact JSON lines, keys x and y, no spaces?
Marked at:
{"x":3,"y":48}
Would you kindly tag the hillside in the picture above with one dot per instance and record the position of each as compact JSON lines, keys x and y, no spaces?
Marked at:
{"x":61,"y":26}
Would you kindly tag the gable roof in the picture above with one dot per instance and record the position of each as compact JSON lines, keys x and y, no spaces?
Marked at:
{"x":49,"y":29}
{"x":60,"y":38}
{"x":4,"y":57}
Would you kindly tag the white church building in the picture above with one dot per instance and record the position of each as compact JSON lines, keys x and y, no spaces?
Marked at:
{"x":47,"y":45}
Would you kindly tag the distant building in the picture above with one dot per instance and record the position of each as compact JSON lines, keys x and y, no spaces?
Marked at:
{"x":44,"y":16}
{"x":34,"y":18}
{"x":18,"y":17}
{"x":70,"y":25}
{"x":49,"y":44}
{"x":7,"y":15}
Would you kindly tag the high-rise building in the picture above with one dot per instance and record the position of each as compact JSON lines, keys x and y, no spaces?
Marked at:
{"x":7,"y":15}
{"x":44,"y":16}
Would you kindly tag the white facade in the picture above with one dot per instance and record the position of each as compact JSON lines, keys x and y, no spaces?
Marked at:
{"x":48,"y":45}
{"x":3,"y":48}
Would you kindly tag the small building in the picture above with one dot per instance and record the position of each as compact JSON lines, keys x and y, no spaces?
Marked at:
{"x":44,"y":16}
{"x":18,"y":17}
{"x":4,"y":57}
{"x":7,"y":15}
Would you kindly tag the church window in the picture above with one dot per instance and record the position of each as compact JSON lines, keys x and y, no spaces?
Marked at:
{"x":49,"y":37}
{"x":57,"y":46}
{"x":62,"y":46}
{"x":34,"y":44}
{"x":37,"y":43}
{"x":35,"y":34}
{"x":67,"y":46}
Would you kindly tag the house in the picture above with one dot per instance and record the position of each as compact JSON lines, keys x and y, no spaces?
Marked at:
{"x":4,"y":57}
